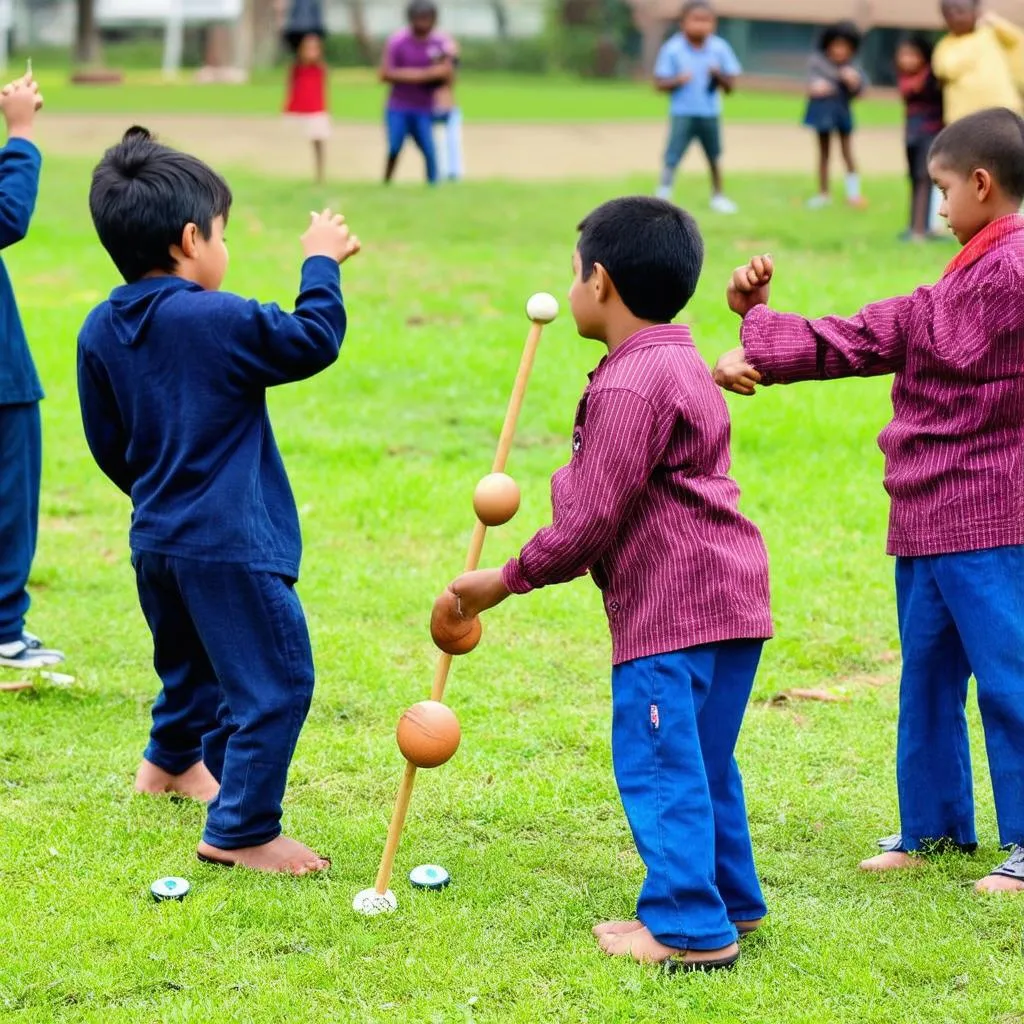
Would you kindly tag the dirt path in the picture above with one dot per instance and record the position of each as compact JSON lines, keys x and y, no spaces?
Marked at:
{"x":524,"y":152}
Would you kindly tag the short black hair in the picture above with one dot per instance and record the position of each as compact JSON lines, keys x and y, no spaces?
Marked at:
{"x":652,"y":250}
{"x":143,"y":195}
{"x":922,"y":44}
{"x":418,"y":8}
{"x":846,"y":31}
{"x":990,"y":139}
{"x":695,"y":5}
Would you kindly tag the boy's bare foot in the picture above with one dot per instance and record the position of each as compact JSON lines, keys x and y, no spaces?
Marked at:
{"x":284,"y":855}
{"x":893,"y":860}
{"x":746,"y":927}
{"x":616,"y":928}
{"x":196,"y":783}
{"x":643,"y":947}
{"x":999,"y":883}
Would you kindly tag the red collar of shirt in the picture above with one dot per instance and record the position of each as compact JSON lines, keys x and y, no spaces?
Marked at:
{"x":990,"y":237}
{"x":659,"y":334}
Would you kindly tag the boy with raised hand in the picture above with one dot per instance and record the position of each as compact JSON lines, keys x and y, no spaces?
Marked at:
{"x":173,"y":376}
{"x":955,"y":476}
{"x":20,"y":390}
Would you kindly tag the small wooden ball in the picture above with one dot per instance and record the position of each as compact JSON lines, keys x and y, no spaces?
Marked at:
{"x":450,"y":631}
{"x":496,"y":499}
{"x":428,"y":734}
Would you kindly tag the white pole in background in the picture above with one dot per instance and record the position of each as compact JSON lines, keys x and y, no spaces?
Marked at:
{"x":5,"y":28}
{"x":174,"y":38}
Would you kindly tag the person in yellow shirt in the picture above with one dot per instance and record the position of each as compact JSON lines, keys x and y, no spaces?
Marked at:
{"x":980,"y":63}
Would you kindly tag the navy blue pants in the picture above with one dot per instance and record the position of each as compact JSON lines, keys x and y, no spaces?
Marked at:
{"x":403,"y":123}
{"x":960,"y":615}
{"x":232,"y":650}
{"x":21,"y":465}
{"x":675,"y":721}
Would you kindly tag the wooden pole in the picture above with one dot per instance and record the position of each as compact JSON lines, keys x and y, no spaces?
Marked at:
{"x":476,"y":544}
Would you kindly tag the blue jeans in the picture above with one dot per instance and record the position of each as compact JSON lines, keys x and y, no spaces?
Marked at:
{"x":959,"y":615}
{"x":403,"y":123}
{"x":21,"y":462}
{"x":675,"y":721}
{"x":232,"y":650}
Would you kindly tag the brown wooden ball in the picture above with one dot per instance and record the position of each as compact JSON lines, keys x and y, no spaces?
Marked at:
{"x":450,"y":631}
{"x":496,"y":499}
{"x":428,"y":734}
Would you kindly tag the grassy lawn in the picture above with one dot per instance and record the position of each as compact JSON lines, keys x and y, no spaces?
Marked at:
{"x":357,"y":96}
{"x":384,"y":450}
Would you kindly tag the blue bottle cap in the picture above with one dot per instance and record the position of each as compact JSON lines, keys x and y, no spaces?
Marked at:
{"x":169,"y":889}
{"x":429,"y":876}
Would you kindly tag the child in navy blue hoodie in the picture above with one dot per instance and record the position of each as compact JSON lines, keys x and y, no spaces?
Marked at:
{"x":20,"y":392}
{"x":173,"y":375}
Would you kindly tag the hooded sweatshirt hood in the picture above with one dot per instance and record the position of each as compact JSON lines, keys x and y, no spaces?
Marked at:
{"x":131,"y":307}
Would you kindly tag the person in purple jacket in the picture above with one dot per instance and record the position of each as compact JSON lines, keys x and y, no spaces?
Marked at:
{"x":646,"y":506}
{"x":173,"y":376}
{"x":416,"y":62}
{"x":955,"y":473}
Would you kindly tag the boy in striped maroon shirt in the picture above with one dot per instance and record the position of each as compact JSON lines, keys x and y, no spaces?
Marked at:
{"x":955,"y":473}
{"x":646,"y":506}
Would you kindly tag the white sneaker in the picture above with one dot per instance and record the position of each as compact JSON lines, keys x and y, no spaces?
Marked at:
{"x":664,"y":192}
{"x":19,"y":655}
{"x":819,"y":202}
{"x":722,"y":204}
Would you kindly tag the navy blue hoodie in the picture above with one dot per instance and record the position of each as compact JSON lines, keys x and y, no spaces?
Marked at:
{"x":172,"y":382}
{"x":19,"y":184}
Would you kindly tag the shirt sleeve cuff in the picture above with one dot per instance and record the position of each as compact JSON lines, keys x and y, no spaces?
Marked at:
{"x":20,"y":145}
{"x":514,"y":578}
{"x":756,"y":339}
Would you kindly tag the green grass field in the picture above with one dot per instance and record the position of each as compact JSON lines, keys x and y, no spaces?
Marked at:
{"x":384,"y":450}
{"x":356,"y":95}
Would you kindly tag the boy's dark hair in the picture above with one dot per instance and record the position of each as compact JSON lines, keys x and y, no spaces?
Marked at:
{"x":420,"y":8}
{"x":992,"y":140}
{"x":142,"y":196}
{"x":652,"y":251}
{"x":841,"y":30}
{"x":695,"y":5}
{"x":922,"y":44}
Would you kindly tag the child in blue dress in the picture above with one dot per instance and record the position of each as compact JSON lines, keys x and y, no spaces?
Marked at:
{"x":835,"y":80}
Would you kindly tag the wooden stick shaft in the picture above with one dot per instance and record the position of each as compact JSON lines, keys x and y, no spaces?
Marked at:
{"x":476,"y":546}
{"x":387,"y":860}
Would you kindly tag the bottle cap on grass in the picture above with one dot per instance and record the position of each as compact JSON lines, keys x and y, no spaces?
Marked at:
{"x":429,"y":876}
{"x":169,"y":889}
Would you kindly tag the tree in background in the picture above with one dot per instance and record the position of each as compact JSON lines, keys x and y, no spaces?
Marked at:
{"x":88,"y":50}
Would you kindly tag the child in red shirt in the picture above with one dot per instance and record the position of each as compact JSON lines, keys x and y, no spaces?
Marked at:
{"x":307,"y":93}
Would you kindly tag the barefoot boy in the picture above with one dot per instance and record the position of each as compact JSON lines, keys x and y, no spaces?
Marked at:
{"x":955,"y":474}
{"x":173,"y":376}
{"x":20,"y":392}
{"x":646,"y":506}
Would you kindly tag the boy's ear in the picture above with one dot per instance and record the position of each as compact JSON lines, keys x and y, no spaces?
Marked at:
{"x":601,"y":282}
{"x":982,"y":180}
{"x":190,"y":240}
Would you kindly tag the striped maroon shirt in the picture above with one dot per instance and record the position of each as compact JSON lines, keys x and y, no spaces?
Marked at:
{"x":954,"y":450}
{"x":646,"y":506}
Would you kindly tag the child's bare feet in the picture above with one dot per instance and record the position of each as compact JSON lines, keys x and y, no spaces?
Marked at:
{"x":1008,"y":877}
{"x":196,"y":783}
{"x":284,"y":855}
{"x":999,"y":883}
{"x":746,"y":927}
{"x":892,"y":860}
{"x":643,"y":947}
{"x":616,"y":928}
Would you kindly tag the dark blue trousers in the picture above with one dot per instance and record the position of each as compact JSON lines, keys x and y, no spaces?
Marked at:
{"x":675,"y":721}
{"x":232,"y":650}
{"x":21,"y":465}
{"x":403,"y":123}
{"x":960,"y":615}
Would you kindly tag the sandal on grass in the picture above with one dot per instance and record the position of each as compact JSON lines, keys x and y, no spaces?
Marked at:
{"x":1012,"y":868}
{"x":895,"y":844}
{"x":679,"y":965}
